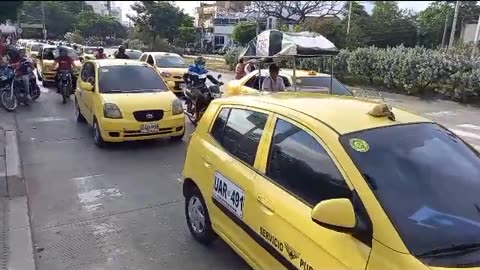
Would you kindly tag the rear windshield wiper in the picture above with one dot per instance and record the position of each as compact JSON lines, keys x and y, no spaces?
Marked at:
{"x":452,"y":250}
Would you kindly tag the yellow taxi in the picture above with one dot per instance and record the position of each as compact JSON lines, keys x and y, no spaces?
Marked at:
{"x":88,"y":53}
{"x":312,"y":181}
{"x":307,"y":81}
{"x":32,"y":49}
{"x":171,"y":66}
{"x":127,"y":100}
{"x":46,"y":66}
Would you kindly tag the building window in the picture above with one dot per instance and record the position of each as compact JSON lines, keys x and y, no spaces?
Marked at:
{"x":219,"y":40}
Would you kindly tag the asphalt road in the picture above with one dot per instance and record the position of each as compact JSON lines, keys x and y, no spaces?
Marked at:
{"x":121,"y":207}
{"x":118,"y":208}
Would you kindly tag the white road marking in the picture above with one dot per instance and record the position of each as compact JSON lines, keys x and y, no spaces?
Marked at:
{"x":470,"y":126}
{"x":83,"y":178}
{"x":441,"y":113}
{"x":462,"y":133}
{"x":48,"y":119}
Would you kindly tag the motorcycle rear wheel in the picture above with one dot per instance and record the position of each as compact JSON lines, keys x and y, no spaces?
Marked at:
{"x":9,"y":100}
{"x":64,"y":94}
{"x":35,"y":92}
{"x":192,"y":112}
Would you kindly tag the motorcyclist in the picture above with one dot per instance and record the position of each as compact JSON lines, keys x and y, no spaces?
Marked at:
{"x":121,"y":53}
{"x":64,"y":63}
{"x":16,"y":60}
{"x":193,"y":79}
{"x":100,"y":54}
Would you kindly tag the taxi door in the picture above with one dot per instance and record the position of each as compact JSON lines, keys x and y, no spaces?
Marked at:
{"x":297,"y":173}
{"x":85,"y":97}
{"x":229,"y":156}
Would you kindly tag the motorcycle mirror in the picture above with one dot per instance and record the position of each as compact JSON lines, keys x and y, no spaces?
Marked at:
{"x":219,"y":76}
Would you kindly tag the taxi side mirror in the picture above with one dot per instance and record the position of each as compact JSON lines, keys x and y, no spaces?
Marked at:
{"x":219,"y":76}
{"x":335,"y":214}
{"x":86,"y":86}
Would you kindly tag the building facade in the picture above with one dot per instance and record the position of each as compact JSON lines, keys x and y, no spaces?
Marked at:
{"x":101,"y":7}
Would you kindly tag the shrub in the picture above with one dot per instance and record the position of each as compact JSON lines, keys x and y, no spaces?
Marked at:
{"x":231,"y":57}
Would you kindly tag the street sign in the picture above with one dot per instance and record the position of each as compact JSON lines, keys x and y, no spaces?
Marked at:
{"x":31,"y":25}
{"x":19,"y":31}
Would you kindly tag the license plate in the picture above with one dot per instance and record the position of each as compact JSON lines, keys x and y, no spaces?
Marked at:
{"x":229,"y":195}
{"x":149,"y":128}
{"x":181,"y":86}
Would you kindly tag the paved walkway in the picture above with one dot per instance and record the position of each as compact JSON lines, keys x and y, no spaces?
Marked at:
{"x":16,"y":250}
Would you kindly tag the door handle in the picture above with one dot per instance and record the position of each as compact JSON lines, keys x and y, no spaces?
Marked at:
{"x":266,"y":203}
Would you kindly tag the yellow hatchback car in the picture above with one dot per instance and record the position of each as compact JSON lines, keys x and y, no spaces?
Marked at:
{"x":127,"y":100}
{"x":312,"y":181}
{"x":171,"y":66}
{"x":46,"y":63}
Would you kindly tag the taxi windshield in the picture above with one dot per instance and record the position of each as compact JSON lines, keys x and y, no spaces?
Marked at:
{"x":52,"y":53}
{"x":426,"y":179}
{"x":35,"y":47}
{"x":312,"y":83}
{"x":118,"y":79}
{"x":89,"y":50}
{"x":133,"y":54}
{"x":171,"y":62}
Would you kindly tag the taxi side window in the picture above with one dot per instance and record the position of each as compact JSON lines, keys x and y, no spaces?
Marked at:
{"x":143,"y":58}
{"x":150,"y":60}
{"x":298,"y":163}
{"x":88,"y":71}
{"x":239,"y":132}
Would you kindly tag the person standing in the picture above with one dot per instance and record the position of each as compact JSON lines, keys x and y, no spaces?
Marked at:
{"x":250,"y":66}
{"x":240,"y":70}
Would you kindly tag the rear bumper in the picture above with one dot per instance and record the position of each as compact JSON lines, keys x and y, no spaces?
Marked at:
{"x":120,"y":130}
{"x":176,"y":89}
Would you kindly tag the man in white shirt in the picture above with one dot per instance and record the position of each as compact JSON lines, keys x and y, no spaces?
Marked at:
{"x":273,"y":83}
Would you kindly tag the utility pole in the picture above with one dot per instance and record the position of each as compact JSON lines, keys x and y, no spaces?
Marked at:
{"x":43,"y":21}
{"x":452,"y":33}
{"x":475,"y":41}
{"x":445,"y":29}
{"x":349,"y":16}
{"x":109,"y":7}
{"x":258,"y":17}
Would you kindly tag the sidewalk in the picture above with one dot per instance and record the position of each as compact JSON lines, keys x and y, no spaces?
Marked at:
{"x":16,"y":249}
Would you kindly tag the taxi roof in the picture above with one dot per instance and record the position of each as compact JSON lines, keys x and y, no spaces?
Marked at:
{"x":298,"y":73}
{"x":162,"y":54}
{"x":341,"y":113}
{"x":117,"y":62}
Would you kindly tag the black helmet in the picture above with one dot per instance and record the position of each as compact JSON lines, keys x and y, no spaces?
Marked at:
{"x":62,"y":51}
{"x":13,"y":53}
{"x":121,"y":48}
{"x":200,"y":61}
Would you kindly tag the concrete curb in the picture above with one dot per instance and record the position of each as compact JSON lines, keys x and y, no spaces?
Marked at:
{"x":21,"y":254}
{"x":15,"y":181}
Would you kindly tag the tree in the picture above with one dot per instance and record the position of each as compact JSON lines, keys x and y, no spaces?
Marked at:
{"x":90,"y":24}
{"x":431,"y":23}
{"x":392,"y":26}
{"x":8,"y":10}
{"x":60,"y":16}
{"x":295,"y":12}
{"x":244,"y":32}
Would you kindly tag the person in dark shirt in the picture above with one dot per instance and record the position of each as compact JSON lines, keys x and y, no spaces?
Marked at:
{"x":64,"y":63}
{"x":121,"y":53}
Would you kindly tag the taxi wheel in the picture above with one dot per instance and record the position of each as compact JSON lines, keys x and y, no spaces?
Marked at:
{"x":78,"y":114}
{"x":198,"y":219}
{"x":97,"y":135}
{"x":177,"y":138}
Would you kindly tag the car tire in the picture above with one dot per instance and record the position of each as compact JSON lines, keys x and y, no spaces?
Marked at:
{"x":97,"y":135}
{"x":78,"y":114}
{"x":197,"y":217}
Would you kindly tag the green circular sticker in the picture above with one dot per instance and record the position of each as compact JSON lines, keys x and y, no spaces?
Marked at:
{"x":359,"y":145}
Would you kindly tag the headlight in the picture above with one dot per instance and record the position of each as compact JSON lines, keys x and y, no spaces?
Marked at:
{"x":177,"y":107}
{"x":111,"y":110}
{"x":165,"y":74}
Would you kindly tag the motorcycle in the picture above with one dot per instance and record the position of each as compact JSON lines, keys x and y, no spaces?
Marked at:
{"x":65,"y":85}
{"x":34,"y":88}
{"x":14,"y":92}
{"x":6,"y":78}
{"x":197,"y":98}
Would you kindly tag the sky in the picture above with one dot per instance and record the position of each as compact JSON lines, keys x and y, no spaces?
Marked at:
{"x":189,"y":6}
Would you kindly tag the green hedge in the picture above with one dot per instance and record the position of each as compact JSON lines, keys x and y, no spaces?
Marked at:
{"x":415,"y":71}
